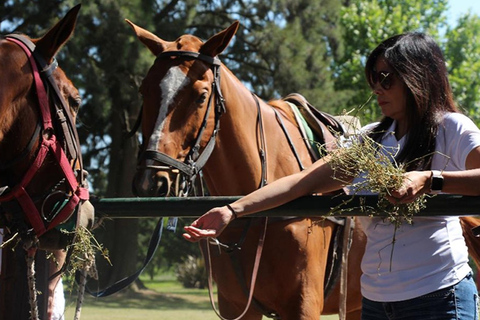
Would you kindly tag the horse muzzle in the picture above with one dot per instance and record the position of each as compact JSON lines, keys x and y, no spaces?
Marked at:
{"x":56,"y":239}
{"x":150,"y":183}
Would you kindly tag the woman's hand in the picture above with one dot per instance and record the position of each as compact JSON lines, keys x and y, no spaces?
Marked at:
{"x":210,"y":225}
{"x":415,"y":183}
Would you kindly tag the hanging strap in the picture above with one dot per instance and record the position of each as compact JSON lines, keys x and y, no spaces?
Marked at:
{"x":125,"y":282}
{"x":205,"y":244}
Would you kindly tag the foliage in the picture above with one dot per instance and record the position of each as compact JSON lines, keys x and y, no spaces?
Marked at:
{"x":462,"y":49}
{"x":365,"y":24}
{"x":191,"y":273}
{"x":378,"y":173}
{"x":83,"y":251}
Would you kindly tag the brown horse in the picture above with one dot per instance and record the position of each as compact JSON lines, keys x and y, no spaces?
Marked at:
{"x":177,"y":92}
{"x":250,"y":148}
{"x":41,"y":171}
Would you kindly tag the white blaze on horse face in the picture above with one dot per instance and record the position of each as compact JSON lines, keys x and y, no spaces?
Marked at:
{"x":170,"y":85}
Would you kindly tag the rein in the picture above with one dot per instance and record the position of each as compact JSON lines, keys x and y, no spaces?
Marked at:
{"x":49,"y":144}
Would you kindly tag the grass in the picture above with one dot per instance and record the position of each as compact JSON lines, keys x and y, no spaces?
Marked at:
{"x":165,"y":299}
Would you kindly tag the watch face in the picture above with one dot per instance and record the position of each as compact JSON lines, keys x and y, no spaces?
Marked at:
{"x":437,"y":183}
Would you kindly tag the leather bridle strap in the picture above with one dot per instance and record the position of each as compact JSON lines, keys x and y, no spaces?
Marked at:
{"x":194,"y":161}
{"x":289,"y":139}
{"x":63,"y":113}
{"x":262,"y":150}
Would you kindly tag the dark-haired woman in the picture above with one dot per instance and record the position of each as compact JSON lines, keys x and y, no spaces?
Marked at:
{"x":426,"y":275}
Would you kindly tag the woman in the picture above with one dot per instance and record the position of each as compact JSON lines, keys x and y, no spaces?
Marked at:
{"x":426,"y":275}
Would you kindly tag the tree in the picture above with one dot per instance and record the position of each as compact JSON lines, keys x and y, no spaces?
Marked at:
{"x":462,"y":49}
{"x":367,"y":23}
{"x":287,"y":46}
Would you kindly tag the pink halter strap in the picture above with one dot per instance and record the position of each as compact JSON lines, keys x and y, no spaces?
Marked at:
{"x":50,"y":144}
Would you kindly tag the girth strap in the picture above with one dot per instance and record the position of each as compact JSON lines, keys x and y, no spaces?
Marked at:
{"x":289,"y":139}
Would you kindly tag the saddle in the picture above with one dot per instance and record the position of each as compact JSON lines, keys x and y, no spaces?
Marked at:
{"x":325,"y":127}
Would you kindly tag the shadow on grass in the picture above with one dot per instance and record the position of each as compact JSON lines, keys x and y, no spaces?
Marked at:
{"x":146,"y":299}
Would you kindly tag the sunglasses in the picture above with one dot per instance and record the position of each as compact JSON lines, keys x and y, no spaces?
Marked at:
{"x":384,"y":78}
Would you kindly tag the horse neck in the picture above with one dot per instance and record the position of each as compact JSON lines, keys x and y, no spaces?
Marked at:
{"x":18,"y":113}
{"x":234,"y":166}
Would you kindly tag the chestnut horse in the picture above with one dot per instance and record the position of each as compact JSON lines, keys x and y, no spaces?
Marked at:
{"x":177,"y":92}
{"x":43,"y":186}
{"x":245,"y":147}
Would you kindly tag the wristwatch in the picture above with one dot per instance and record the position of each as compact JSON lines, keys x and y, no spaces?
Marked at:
{"x":436,"y":182}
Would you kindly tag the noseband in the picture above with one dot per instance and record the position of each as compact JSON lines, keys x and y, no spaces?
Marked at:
{"x":48,"y":144}
{"x":194,"y":161}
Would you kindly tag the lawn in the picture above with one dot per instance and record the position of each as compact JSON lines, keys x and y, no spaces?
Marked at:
{"x":165,"y":299}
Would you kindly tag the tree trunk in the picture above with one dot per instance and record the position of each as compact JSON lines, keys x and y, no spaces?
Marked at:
{"x":119,"y":236}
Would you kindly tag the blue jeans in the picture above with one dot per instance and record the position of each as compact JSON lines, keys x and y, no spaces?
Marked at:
{"x":458,"y":302}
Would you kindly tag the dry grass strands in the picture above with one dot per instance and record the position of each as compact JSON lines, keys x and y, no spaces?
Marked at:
{"x":380,"y":174}
{"x":83,"y":253}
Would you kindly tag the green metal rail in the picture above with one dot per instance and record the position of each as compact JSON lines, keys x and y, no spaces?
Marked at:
{"x":311,"y":206}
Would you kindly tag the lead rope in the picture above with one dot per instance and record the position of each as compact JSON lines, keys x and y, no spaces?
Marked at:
{"x":88,"y":269}
{"x":81,"y":293}
{"x":347,"y":241}
{"x":31,"y":282}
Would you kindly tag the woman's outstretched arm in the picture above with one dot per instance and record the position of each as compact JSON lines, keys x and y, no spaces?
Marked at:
{"x":318,"y":178}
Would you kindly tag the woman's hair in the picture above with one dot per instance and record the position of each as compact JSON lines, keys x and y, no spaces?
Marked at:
{"x":418,"y":61}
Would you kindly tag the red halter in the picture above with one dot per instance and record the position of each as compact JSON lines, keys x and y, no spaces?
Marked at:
{"x":48,"y":144}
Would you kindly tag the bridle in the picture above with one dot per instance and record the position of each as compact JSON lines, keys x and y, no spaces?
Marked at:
{"x":74,"y":178}
{"x":194,"y":161}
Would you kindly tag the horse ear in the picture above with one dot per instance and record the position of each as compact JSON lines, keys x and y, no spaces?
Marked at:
{"x":55,"y":38}
{"x":216,"y":44}
{"x":151,"y":41}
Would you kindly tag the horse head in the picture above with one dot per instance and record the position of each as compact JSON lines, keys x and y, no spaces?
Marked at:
{"x":41,"y":171}
{"x":178,"y":124}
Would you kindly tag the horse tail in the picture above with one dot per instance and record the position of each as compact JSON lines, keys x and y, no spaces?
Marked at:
{"x":473,"y":243}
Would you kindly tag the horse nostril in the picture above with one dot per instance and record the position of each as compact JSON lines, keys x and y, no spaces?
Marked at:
{"x":150,"y":184}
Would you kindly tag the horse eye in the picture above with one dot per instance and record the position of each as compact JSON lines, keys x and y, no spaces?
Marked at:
{"x":74,"y":103}
{"x":202,"y":98}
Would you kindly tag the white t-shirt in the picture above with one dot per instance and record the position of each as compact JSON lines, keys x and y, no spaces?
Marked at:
{"x":430,"y":254}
